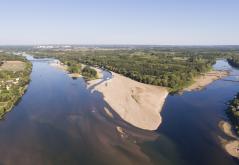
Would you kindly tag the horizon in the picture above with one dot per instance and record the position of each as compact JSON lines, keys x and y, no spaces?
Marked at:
{"x":155,"y":45}
{"x":120,"y":22}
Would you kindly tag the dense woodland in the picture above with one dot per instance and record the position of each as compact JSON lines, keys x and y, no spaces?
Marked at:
{"x":233,"y":109}
{"x":87,"y":72}
{"x":12,"y":83}
{"x":174,"y":70}
{"x":234,"y":61}
{"x":233,"y":112}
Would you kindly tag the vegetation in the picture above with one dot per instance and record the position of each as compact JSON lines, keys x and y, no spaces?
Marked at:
{"x":13,"y":83}
{"x":233,"y":112}
{"x":234,"y":61}
{"x":86,"y":71}
{"x":74,"y":68}
{"x":89,"y":72}
{"x":233,"y":109}
{"x":172,"y":69}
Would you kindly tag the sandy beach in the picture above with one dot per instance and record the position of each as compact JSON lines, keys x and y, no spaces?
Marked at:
{"x":59,"y":66}
{"x":231,"y":146}
{"x":205,"y":79}
{"x":137,"y":103}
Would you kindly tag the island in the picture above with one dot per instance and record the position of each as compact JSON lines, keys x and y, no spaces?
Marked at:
{"x":14,"y":78}
{"x":141,"y":78}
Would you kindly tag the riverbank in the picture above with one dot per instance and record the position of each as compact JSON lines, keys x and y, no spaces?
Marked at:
{"x":205,"y":79}
{"x":140,"y":104}
{"x":231,"y":146}
{"x":59,"y":66}
{"x":64,"y":68}
{"x":137,"y":103}
{"x":14,"y":82}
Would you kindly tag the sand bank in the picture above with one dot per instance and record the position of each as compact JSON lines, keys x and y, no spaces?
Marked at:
{"x":74,"y":75}
{"x":205,"y":79}
{"x":108,"y":112}
{"x":137,"y":103}
{"x":59,"y":66}
{"x":63,"y":67}
{"x":231,"y":146}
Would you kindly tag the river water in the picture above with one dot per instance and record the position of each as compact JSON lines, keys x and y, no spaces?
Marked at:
{"x":60,"y":121}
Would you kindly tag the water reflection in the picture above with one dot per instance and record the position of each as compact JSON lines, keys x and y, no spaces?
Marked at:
{"x":60,"y":121}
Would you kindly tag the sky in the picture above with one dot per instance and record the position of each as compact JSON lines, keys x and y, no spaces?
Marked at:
{"x":143,"y":22}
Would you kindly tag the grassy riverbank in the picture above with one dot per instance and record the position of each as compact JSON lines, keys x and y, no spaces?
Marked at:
{"x":14,"y":78}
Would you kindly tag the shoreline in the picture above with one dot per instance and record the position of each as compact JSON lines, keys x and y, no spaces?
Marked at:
{"x":136,"y":103}
{"x":231,"y":146}
{"x":205,"y":79}
{"x":63,"y":67}
{"x":22,"y":89}
{"x":140,"y":104}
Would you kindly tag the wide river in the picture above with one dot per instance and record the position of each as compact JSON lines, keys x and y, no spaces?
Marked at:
{"x":60,"y":121}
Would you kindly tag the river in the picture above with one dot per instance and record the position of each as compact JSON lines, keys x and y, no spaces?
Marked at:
{"x":60,"y":121}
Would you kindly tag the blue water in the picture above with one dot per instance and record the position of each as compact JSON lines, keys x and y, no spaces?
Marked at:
{"x":60,"y":121}
{"x":191,"y":120}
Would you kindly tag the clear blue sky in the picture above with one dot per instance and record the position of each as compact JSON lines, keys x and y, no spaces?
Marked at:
{"x":161,"y":22}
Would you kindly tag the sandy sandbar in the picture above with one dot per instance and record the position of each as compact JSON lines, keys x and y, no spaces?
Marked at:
{"x":137,"y":103}
{"x":231,"y":146}
{"x":205,"y":79}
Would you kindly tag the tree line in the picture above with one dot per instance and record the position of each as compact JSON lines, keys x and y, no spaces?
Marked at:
{"x":174,"y":70}
{"x":233,"y":112}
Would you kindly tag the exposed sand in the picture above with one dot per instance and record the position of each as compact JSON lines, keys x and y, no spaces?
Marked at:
{"x":206,"y":79}
{"x":137,"y":103}
{"x":63,"y":67}
{"x":74,"y":75}
{"x":227,"y":129}
{"x":108,"y":112}
{"x":231,"y":146}
{"x":99,"y":73}
{"x":59,"y":66}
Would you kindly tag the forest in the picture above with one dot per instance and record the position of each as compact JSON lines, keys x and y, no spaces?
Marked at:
{"x":87,"y":72}
{"x":233,"y":112}
{"x":233,"y":109}
{"x":172,"y":69}
{"x":234,"y":61}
